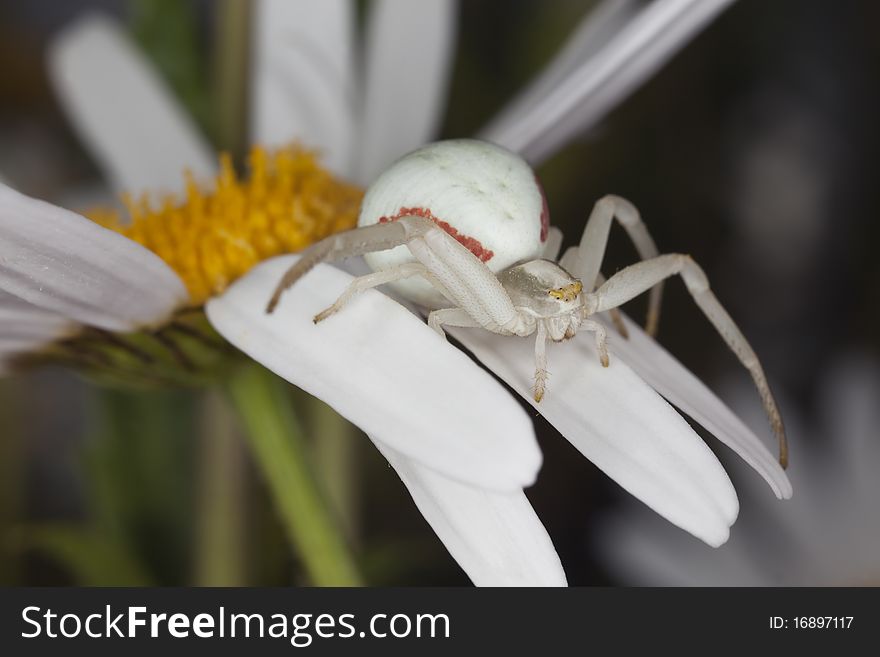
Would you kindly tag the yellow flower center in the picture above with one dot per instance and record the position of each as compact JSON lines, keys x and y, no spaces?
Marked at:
{"x":212,"y":238}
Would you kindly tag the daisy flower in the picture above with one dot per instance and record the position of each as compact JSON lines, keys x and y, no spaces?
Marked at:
{"x":465,"y":464}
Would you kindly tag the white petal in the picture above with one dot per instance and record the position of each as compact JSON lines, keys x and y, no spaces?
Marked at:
{"x":409,"y":52}
{"x":675,"y":382}
{"x":382,"y":368}
{"x":24,"y":324}
{"x":302,"y":77}
{"x":619,"y":423}
{"x":594,"y":31}
{"x":603,"y":80}
{"x":495,"y":537}
{"x":25,"y":328}
{"x":127,"y":117}
{"x":62,"y":262}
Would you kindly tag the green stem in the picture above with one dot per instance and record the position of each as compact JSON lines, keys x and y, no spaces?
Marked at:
{"x":280,"y":451}
{"x":220,"y":530}
{"x":336,"y":457}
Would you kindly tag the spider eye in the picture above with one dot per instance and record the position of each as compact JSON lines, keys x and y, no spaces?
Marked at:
{"x":567,"y":292}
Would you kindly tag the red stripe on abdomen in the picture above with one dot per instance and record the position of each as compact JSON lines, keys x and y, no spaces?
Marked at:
{"x":471,"y":244}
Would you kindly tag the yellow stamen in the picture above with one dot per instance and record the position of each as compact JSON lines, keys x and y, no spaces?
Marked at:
{"x":568,"y":292}
{"x":212,"y":237}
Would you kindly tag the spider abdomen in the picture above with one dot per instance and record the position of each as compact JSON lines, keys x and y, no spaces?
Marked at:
{"x":486,"y":197}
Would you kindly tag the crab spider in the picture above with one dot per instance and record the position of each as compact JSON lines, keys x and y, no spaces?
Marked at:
{"x":461,"y":228}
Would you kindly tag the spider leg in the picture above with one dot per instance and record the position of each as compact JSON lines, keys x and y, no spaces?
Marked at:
{"x":601,"y":339}
{"x":568,"y":262}
{"x":614,"y":313}
{"x":376,"y":279}
{"x":636,"y":279}
{"x":450,"y":317}
{"x":465,"y":280}
{"x":553,"y":244}
{"x":540,"y":362}
{"x":584,"y":264}
{"x":449,"y":266}
{"x":359,"y":241}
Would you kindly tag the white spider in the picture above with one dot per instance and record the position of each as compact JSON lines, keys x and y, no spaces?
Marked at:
{"x":461,"y":228}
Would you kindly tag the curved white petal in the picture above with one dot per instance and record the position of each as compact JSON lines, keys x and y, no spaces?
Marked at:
{"x":382,"y":368}
{"x":127,"y":117}
{"x":675,"y":382}
{"x":603,"y":80}
{"x":303,"y":77}
{"x":25,"y":328}
{"x":594,"y":31}
{"x":495,"y":537}
{"x":28,"y":326}
{"x":62,"y":262}
{"x":619,"y":423}
{"x":409,"y":49}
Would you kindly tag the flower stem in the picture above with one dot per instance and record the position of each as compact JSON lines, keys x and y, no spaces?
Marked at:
{"x":279,"y":450}
{"x":336,"y":457}
{"x":220,"y":529}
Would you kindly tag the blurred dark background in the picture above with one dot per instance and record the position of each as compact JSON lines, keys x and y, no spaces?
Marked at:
{"x":753,"y":151}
